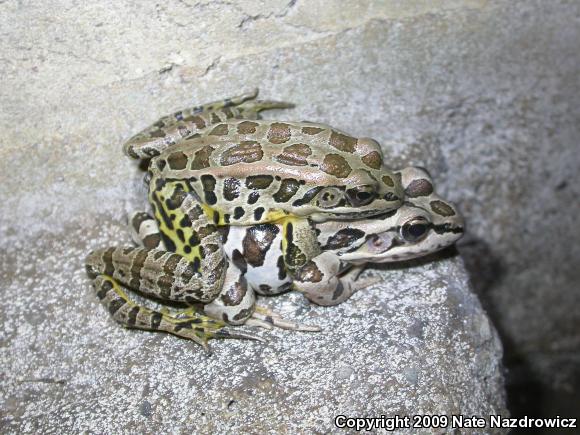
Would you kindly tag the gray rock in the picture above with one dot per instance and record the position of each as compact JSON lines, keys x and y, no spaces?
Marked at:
{"x":483,"y":93}
{"x":419,"y":343}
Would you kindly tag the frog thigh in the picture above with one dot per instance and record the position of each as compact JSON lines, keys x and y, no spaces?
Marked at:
{"x":157,"y":273}
{"x":198,"y":327}
{"x":184,"y":124}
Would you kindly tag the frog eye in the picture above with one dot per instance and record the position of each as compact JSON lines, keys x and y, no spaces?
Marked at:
{"x":329,"y":197}
{"x":415,"y":229}
{"x":361,"y":195}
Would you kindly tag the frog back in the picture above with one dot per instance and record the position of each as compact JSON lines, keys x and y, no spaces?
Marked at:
{"x":258,"y":171}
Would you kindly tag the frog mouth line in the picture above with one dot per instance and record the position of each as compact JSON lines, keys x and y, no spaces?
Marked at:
{"x":393,"y":241}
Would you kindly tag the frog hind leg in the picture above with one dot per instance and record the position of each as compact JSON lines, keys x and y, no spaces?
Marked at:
{"x":236,"y":302}
{"x":196,"y":327}
{"x":251,"y":109}
{"x":194,"y":121}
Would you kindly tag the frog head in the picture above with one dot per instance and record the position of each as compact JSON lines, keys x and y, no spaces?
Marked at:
{"x":364,"y":193}
{"x":424,"y":224}
{"x":347,"y":183}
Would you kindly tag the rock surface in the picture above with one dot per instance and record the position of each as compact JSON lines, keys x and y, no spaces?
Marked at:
{"x":417,"y":344}
{"x":481,"y":92}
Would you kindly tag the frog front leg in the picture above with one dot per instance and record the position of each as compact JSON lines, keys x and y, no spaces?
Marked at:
{"x":194,"y":121}
{"x":325,"y":281}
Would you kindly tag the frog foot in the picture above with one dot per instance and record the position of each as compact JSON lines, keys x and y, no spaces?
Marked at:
{"x":251,"y":109}
{"x":201,"y":329}
{"x":191,"y":324}
{"x":268,"y":319}
{"x":196,"y":327}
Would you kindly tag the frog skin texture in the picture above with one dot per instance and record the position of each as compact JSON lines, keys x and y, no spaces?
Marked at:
{"x":245,"y":206}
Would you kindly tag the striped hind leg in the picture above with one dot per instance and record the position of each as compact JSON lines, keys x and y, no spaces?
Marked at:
{"x":235,"y":303}
{"x":194,"y":121}
{"x":126,"y":312}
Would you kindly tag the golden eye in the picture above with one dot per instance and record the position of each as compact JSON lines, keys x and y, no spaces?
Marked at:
{"x":361,"y":195}
{"x":329,"y":197}
{"x":415,"y":229}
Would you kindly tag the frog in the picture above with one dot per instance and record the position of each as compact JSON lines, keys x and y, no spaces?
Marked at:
{"x":219,"y":165}
{"x":425,"y":223}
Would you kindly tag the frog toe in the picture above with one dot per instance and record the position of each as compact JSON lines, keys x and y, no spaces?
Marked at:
{"x":264,"y":316}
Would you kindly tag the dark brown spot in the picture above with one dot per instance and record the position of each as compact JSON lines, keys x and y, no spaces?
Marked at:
{"x":152,"y":241}
{"x":177,"y":160}
{"x":208,"y":182}
{"x":197,"y":120}
{"x":388,"y":181}
{"x":342,"y":142}
{"x":309,"y":273}
{"x":247,"y":127}
{"x":421,"y":187}
{"x":235,"y":294}
{"x":265,"y":289}
{"x":136,"y":267}
{"x":227,"y":111}
{"x":201,"y":158}
{"x":115,"y":304}
{"x":336,"y":165}
{"x":205,"y":231}
{"x":132,"y":316}
{"x":161,"y":164}
{"x":441,"y":208}
{"x":259,"y":181}
{"x":311,"y":130}
{"x":281,"y":268}
{"x":294,"y":155}
{"x":258,"y":213}
{"x":257,"y":241}
{"x":373,"y":160}
{"x":175,"y":200}
{"x":344,"y":238}
{"x":245,"y":152}
{"x":219,"y":130}
{"x":214,"y":118}
{"x":288,"y":188}
{"x":253,"y":197}
{"x":243,"y":314}
{"x":238,"y":213}
{"x":278,"y":133}
{"x":157,"y":133}
{"x":239,"y":261}
{"x":231,"y":188}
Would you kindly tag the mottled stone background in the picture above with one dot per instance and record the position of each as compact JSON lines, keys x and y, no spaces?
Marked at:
{"x":483,"y":93}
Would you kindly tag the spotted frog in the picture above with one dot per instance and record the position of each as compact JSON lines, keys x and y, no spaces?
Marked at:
{"x":423,"y":225}
{"x":304,"y":194}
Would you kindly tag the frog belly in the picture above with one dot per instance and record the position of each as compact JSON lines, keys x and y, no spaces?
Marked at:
{"x":260,"y":257}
